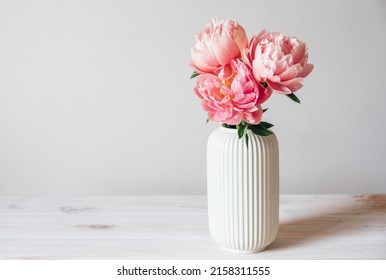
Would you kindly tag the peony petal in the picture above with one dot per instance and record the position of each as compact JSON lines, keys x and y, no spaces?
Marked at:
{"x":275,"y":79}
{"x":264,"y":94}
{"x":294,"y":84}
{"x":235,"y":119}
{"x":278,"y":87}
{"x":291,"y":72}
{"x":281,"y":66}
{"x":202,"y":62}
{"x":210,"y":116}
{"x":220,"y":116}
{"x":261,"y":36}
{"x":306,"y":70}
{"x":261,"y":72}
{"x":246,"y":57}
{"x":206,"y":107}
{"x":198,"y":93}
{"x":209,"y":106}
{"x":240,"y":37}
{"x":254,"y":117}
{"x":298,"y":52}
{"x":225,"y":50}
{"x":248,"y":53}
{"x":225,"y":72}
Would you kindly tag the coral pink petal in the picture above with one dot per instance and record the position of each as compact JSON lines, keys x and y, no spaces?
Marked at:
{"x":281,"y":66}
{"x":225,"y":50}
{"x":246,"y":57}
{"x":260,"y":71}
{"x":198,"y":93}
{"x":217,"y":117}
{"x":298,"y":53}
{"x":210,"y":116}
{"x":240,"y":37}
{"x":206,"y":107}
{"x":291,"y":72}
{"x":264,"y":94}
{"x":235,"y":119}
{"x":306,"y":70}
{"x":279,"y":88}
{"x":294,"y":84}
{"x":203,"y":63}
{"x":295,"y":87}
{"x":264,"y":33}
{"x":256,"y":116}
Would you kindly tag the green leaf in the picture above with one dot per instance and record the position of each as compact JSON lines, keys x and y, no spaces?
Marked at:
{"x":260,"y":130}
{"x":266,"y":124}
{"x":294,"y":97}
{"x":195,"y":74}
{"x":246,"y":139}
{"x":228,"y":125}
{"x":242,"y":130}
{"x":264,"y":110}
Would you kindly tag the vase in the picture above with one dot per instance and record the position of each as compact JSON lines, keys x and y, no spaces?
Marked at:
{"x":243,"y":190}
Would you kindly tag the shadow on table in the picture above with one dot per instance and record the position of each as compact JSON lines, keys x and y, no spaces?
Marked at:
{"x":301,"y":231}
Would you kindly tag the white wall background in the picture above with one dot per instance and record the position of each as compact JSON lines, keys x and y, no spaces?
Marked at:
{"x":95,"y":96}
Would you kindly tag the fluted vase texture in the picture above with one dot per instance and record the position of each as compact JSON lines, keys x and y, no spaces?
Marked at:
{"x":243,"y":190}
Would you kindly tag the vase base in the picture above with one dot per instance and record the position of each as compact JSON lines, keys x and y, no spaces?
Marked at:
{"x":245,"y":251}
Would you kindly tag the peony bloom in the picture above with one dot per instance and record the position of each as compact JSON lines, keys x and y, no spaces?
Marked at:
{"x":219,"y":43}
{"x":278,"y":60}
{"x":233,"y":95}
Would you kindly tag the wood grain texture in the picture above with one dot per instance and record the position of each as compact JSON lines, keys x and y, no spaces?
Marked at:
{"x":176,"y":227}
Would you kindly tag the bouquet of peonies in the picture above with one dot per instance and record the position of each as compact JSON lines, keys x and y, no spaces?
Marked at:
{"x":236,"y":76}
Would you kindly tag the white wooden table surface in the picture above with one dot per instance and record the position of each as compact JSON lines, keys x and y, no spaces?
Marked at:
{"x":175,"y":227}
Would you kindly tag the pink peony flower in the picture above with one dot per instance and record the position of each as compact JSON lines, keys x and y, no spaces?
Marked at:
{"x":278,"y":60}
{"x":219,"y":43}
{"x":232,"y":95}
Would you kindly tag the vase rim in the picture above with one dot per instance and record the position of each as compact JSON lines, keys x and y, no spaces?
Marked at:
{"x":228,"y":129}
{"x":234,"y":131}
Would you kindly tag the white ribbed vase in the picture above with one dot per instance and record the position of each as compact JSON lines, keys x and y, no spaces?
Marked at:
{"x":243,"y":190}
